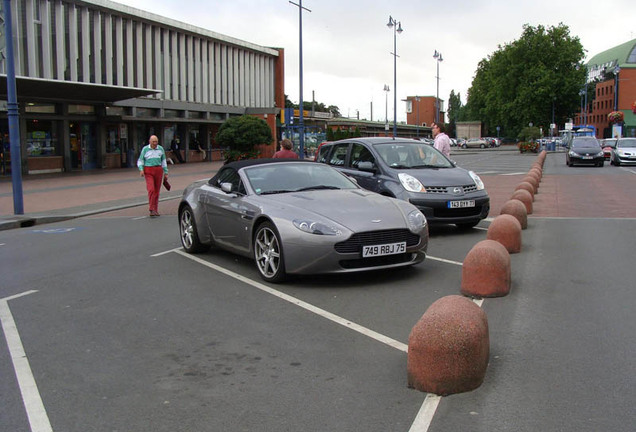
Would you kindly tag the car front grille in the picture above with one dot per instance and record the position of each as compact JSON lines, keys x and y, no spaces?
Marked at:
{"x":450,"y":189}
{"x":456,"y":212}
{"x":377,"y":261}
{"x":354,"y":243}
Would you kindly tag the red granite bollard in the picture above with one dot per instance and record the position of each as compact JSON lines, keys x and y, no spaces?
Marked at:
{"x":506,"y":230}
{"x":486,"y":270}
{"x":525,"y":197}
{"x":534,"y":176}
{"x":449,"y":347}
{"x":527,"y":186}
{"x":533,"y":181}
{"x":516,"y":208}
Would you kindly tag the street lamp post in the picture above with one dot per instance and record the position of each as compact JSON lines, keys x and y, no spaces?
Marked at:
{"x":417,"y":116}
{"x":397,"y":28}
{"x":301,"y":123}
{"x":386,"y":107}
{"x":617,"y":70}
{"x":437,"y":56}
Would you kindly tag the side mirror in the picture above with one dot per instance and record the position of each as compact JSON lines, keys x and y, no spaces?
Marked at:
{"x":226,"y":187}
{"x":366,"y":166}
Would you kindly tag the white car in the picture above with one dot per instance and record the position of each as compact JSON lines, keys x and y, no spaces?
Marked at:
{"x":624,"y":153}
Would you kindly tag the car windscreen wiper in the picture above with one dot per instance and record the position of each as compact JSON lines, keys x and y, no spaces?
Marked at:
{"x":317,"y":187}
{"x":279,"y":191}
{"x":425,"y":166}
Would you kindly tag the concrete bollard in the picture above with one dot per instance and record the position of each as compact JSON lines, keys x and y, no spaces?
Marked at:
{"x":506,"y":230}
{"x":486,"y":270}
{"x":533,"y":181}
{"x":525,"y":197}
{"x":516,"y":208}
{"x":526,"y":186}
{"x":449,"y":347}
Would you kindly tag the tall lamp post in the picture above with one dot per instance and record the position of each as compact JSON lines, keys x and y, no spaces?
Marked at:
{"x":617,"y":70}
{"x":397,"y":28}
{"x":437,"y":56}
{"x":417,"y":116}
{"x":301,"y":123}
{"x":386,"y":106}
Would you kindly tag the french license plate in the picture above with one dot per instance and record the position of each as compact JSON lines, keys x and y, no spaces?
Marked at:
{"x":587,"y":157}
{"x":461,"y":204}
{"x":385,"y":249}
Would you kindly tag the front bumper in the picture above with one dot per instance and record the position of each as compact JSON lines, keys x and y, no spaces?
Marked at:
{"x":437,"y":211}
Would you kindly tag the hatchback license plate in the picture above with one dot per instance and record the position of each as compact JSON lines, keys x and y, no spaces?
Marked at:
{"x":461,"y":204}
{"x":385,"y":249}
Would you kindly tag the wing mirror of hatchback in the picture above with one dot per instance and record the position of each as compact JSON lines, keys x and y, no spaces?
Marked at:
{"x":366,"y":166}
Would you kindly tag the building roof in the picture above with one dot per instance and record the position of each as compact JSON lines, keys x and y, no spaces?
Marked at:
{"x":623,"y":55}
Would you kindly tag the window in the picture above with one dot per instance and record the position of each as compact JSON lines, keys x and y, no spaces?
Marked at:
{"x":360,"y":153}
{"x":339,"y":154}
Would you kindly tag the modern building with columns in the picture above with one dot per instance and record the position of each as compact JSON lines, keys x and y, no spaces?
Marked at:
{"x":96,"y":78}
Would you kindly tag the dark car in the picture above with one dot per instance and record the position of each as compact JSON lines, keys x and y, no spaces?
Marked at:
{"x":415,"y":172}
{"x":585,"y":150}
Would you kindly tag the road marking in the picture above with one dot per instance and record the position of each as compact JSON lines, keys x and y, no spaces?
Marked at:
{"x":511,"y":174}
{"x":444,"y":260}
{"x":321,"y":312}
{"x":38,"y":419}
{"x":427,"y":411}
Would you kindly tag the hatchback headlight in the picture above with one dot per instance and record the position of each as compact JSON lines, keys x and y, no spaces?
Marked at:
{"x":313,"y":227}
{"x":417,"y":221}
{"x":600,"y":153}
{"x":573,"y":153}
{"x":410,"y":183}
{"x":478,"y":182}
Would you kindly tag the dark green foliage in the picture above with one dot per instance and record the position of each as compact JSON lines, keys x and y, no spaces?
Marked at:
{"x":244,"y":133}
{"x":519,"y":83}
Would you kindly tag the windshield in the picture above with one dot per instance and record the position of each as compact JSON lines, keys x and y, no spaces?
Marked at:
{"x":407,"y":155}
{"x":626,"y":142}
{"x":585,"y":142}
{"x":294,"y":177}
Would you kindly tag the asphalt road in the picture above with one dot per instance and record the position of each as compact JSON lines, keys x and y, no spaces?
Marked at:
{"x":122,"y":332}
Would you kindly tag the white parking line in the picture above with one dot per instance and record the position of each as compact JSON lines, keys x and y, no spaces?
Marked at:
{"x":323,"y":313}
{"x":427,"y":411}
{"x":38,"y":419}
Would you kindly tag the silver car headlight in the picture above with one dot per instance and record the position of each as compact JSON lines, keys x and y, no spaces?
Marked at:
{"x":600,"y":153}
{"x":314,"y":227}
{"x":572,"y":153}
{"x":410,"y":183}
{"x":478,"y":182}
{"x":417,"y":221}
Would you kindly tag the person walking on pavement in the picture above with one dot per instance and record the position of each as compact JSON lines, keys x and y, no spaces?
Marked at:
{"x":286,"y":151}
{"x":442,"y":142}
{"x":175,"y":146}
{"x":153,"y":166}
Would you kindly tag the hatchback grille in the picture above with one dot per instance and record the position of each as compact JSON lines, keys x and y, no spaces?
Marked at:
{"x":449,"y":189}
{"x":354,"y":243}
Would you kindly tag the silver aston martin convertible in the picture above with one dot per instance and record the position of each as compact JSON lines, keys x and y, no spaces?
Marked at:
{"x":299,"y":217}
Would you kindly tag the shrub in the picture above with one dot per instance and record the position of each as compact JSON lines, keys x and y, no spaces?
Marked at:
{"x":241,"y":135}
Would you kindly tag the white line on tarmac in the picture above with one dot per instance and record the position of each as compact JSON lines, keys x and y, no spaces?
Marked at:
{"x":444,"y":260}
{"x":426,"y":413}
{"x":513,"y":173}
{"x":321,"y":312}
{"x":38,"y":419}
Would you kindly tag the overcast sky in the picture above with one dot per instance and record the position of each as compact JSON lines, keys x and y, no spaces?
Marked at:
{"x":347,"y":45}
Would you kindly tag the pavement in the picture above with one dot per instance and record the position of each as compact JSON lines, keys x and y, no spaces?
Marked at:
{"x":56,"y":197}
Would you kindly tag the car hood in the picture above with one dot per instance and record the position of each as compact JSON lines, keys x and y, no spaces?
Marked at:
{"x":440,"y":176}
{"x":627,"y":149}
{"x":586,"y":150}
{"x":356,"y":209}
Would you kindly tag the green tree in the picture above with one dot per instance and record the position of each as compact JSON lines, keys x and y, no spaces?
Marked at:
{"x":522,"y":81}
{"x":241,"y":135}
{"x":454,"y":110}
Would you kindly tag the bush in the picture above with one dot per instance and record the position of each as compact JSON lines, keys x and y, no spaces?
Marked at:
{"x":241,"y":135}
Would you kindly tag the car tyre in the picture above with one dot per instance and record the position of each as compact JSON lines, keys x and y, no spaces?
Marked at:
{"x":482,"y":146}
{"x":268,"y":253}
{"x":188,"y":232}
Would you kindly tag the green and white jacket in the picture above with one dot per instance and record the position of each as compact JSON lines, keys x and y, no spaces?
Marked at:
{"x":150,"y":157}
